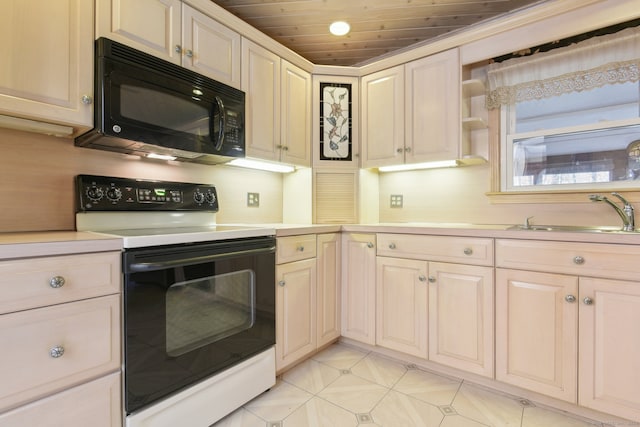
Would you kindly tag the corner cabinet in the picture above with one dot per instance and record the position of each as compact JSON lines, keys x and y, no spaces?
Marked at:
{"x":47,"y":63}
{"x":411,"y":113}
{"x":566,"y":322}
{"x":175,"y":32}
{"x":278,"y":107}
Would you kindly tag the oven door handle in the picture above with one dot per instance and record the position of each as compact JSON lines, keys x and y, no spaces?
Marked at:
{"x":148,"y":266}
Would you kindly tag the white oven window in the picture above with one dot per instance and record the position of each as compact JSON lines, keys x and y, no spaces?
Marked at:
{"x":202,"y":311}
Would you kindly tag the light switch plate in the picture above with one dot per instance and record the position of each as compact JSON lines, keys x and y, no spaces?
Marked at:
{"x":396,"y":201}
{"x":253,"y":200}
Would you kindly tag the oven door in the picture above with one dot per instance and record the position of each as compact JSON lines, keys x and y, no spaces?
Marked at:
{"x":194,"y":310}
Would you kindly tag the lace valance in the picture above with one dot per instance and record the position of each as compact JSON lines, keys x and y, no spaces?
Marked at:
{"x":599,"y":61}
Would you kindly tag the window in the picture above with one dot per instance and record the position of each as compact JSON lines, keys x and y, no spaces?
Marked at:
{"x":570,"y":118}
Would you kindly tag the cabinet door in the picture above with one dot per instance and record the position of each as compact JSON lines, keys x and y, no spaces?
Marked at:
{"x":401,"y":305}
{"x":536,"y":332}
{"x":328,"y":288}
{"x":383,"y":118}
{"x":609,"y":347}
{"x":359,"y":287}
{"x":152,"y":26}
{"x":210,"y":48}
{"x":295,"y":311}
{"x":461,"y":317}
{"x":261,"y":82}
{"x":296,"y":115}
{"x":432,"y":108}
{"x":47,"y":60}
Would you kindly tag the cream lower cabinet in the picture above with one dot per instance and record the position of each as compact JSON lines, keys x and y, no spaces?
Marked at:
{"x":571,"y":333}
{"x":359,"y":287}
{"x":47,"y":65}
{"x":307,"y":296}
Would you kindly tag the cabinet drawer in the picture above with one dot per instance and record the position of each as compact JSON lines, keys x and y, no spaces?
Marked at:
{"x":87,"y":331}
{"x":582,"y":259}
{"x":37,"y":282}
{"x":95,"y":404}
{"x":295,"y":248}
{"x":461,"y":250}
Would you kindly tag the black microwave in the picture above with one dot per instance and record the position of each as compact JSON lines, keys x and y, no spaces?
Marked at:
{"x":147,"y":106}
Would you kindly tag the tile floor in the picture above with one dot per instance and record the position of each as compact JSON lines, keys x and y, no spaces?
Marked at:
{"x":345,"y":386}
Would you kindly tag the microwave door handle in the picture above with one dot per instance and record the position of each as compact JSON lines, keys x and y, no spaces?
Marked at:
{"x":222,"y":123}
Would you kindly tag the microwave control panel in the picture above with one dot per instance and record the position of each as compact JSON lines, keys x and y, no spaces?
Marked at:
{"x":102,"y":193}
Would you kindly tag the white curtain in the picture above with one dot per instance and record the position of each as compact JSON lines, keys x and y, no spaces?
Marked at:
{"x":599,"y":61}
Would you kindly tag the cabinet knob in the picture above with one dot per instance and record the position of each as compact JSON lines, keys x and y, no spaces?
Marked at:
{"x":56,"y":351}
{"x":281,"y":283}
{"x":370,"y":245}
{"x":392,"y":245}
{"x":57,"y":282}
{"x":422,"y":278}
{"x":189,"y":53}
{"x":468,"y":251}
{"x":587,"y":301}
{"x":578,"y":260}
{"x":432,"y":279}
{"x":570,"y":298}
{"x":399,"y":150}
{"x":87,"y":99}
{"x":285,"y":148}
{"x":407,"y":150}
{"x":300,"y":248}
{"x":178,"y":48}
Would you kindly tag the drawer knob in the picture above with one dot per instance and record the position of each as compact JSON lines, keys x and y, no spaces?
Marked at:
{"x":578,"y":260}
{"x":432,"y":279}
{"x":369,"y":245}
{"x":570,"y":298}
{"x":56,"y":351}
{"x":392,"y":245}
{"x":587,"y":301}
{"x":422,"y":278}
{"x":300,"y":248}
{"x":468,"y":251}
{"x":281,"y":283}
{"x":56,"y":282}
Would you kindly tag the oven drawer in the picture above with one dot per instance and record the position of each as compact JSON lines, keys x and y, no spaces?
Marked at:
{"x":52,"y":348}
{"x":37,"y":282}
{"x":295,"y":248}
{"x":460,"y":250}
{"x":95,"y":404}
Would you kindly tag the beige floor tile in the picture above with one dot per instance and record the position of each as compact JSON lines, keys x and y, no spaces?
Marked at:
{"x":379,"y":370}
{"x":487,"y":408}
{"x":311,"y":376}
{"x":320,"y":413}
{"x":279,"y":402}
{"x":400,"y":410}
{"x":340,"y":356}
{"x":428,"y":387}
{"x":460,"y":421}
{"x":540,"y":417}
{"x":354,"y":394}
{"x":241,"y":418}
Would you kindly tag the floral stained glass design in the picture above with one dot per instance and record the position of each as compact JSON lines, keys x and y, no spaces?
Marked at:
{"x":335,"y":121}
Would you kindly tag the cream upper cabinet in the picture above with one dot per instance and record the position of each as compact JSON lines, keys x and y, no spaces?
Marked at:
{"x":175,"y":32}
{"x":382,"y":99}
{"x":328,"y":263}
{"x":401,"y":305}
{"x":47,"y":63}
{"x":461,"y":311}
{"x":359,"y":287}
{"x":537,"y":331}
{"x":278,"y":107}
{"x":411,"y":113}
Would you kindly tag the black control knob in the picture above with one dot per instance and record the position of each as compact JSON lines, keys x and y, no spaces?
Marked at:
{"x":198,"y":197}
{"x":94,"y":193}
{"x":210,"y":197}
{"x":114,"y":194}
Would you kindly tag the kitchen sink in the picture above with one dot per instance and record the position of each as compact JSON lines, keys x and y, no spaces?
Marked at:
{"x":571,"y":228}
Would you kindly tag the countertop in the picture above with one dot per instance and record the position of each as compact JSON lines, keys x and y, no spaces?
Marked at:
{"x":48,"y":243}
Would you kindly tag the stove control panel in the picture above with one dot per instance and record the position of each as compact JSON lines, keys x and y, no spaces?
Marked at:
{"x":104,"y":193}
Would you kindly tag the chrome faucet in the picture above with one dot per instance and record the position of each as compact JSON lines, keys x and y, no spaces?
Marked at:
{"x":626,"y":212}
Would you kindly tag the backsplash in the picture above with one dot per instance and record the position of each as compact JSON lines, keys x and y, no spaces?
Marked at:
{"x":37,"y":182}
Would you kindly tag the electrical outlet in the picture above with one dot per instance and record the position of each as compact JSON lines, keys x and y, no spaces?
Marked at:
{"x":396,"y":201}
{"x":253,"y":200}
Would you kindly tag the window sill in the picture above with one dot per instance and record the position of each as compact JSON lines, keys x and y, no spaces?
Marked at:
{"x":568,"y":196}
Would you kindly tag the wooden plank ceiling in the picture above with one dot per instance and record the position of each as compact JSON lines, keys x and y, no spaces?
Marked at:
{"x":377,"y":26}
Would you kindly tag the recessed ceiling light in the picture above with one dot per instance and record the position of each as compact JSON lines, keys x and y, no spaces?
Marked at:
{"x":339,"y":28}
